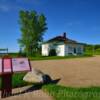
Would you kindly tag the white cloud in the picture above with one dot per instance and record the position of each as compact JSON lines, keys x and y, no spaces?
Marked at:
{"x":6,"y":5}
{"x":34,"y":2}
{"x":70,"y":24}
{"x":4,"y":8}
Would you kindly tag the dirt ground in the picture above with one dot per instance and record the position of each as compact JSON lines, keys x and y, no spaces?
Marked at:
{"x":28,"y":94}
{"x":72,"y":72}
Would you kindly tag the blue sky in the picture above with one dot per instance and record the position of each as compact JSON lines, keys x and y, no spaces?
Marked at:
{"x":79,"y":18}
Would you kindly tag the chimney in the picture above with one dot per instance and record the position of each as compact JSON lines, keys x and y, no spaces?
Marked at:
{"x":64,"y":34}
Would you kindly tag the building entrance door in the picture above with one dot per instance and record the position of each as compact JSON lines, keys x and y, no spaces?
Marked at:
{"x":74,"y":50}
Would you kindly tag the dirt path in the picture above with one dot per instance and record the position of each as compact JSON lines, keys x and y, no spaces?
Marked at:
{"x":73,"y":72}
{"x":30,"y":95}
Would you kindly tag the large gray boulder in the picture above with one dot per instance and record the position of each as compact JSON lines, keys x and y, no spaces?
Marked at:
{"x":36,"y":76}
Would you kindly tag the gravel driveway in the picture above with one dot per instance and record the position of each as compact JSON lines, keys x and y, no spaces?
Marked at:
{"x":72,"y":72}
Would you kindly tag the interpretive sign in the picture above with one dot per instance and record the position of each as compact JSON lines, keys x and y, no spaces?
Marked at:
{"x":20,"y":64}
{"x":14,"y":65}
{"x":8,"y":66}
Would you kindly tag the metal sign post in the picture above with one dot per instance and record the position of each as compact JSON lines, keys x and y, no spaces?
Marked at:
{"x":6,"y":77}
{"x":6,"y":85}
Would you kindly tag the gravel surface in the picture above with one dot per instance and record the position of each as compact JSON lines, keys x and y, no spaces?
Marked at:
{"x":72,"y":72}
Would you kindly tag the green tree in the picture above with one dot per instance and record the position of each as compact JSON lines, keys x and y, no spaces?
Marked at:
{"x":32,"y":26}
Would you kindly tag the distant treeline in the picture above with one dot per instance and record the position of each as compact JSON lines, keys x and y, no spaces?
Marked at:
{"x":92,"y":49}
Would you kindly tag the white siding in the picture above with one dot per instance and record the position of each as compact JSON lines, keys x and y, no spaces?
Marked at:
{"x":75,"y":47}
{"x":66,"y":50}
{"x":60,"y":50}
{"x":80,"y":49}
{"x":45,"y":49}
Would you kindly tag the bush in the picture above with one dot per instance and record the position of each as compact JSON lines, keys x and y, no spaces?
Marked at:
{"x":97,"y":51}
{"x":52,"y":52}
{"x":22,"y":55}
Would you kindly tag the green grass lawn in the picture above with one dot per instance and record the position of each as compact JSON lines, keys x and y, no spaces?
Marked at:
{"x":68,"y":93}
{"x":17,"y":80}
{"x":57,"y":57}
{"x":87,"y":54}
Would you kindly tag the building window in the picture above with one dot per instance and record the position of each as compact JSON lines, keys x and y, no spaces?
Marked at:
{"x":79,"y":50}
{"x":70,"y":50}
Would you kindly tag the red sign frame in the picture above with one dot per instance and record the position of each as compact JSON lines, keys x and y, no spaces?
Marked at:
{"x":11,"y":69}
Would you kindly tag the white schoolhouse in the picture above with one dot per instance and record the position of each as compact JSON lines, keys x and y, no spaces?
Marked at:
{"x":62,"y":46}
